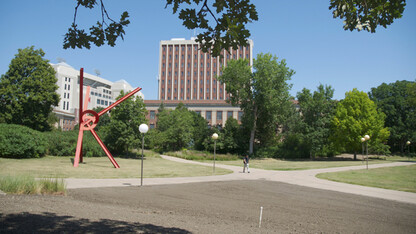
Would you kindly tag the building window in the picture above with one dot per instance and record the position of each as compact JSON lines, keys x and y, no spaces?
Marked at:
{"x":219,"y":115}
{"x":65,"y":87}
{"x":240,"y":115}
{"x":102,"y":102}
{"x":69,"y":87}
{"x":67,"y":95}
{"x":229,"y":114}
{"x":152,"y":114}
{"x":98,"y":101}
{"x":198,"y":112}
{"x":208,"y":115}
{"x":64,"y":95}
{"x":106,"y":103}
{"x":63,"y":107}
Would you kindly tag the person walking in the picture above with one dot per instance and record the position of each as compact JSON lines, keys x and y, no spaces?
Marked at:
{"x":245,"y":161}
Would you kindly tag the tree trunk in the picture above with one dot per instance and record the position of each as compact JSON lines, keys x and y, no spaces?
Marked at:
{"x":253,"y":130}
{"x":355,"y":156}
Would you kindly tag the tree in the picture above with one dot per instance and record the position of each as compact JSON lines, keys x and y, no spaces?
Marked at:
{"x":122,"y":132}
{"x":395,"y":101}
{"x":228,"y":29}
{"x":316,"y":114}
{"x":230,"y":136}
{"x":356,"y":116}
{"x":28,"y":90}
{"x":104,"y":119}
{"x":200,"y":130}
{"x":368,"y":14}
{"x":263,"y":95}
{"x":174,"y":129}
{"x":223,"y":23}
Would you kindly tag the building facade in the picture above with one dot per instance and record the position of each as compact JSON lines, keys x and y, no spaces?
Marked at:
{"x":188,"y":75}
{"x":102,"y":94}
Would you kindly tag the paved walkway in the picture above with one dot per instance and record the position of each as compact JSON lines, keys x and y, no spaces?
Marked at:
{"x":303,"y":178}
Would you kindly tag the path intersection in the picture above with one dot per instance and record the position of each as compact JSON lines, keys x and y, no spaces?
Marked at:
{"x":302,"y":178}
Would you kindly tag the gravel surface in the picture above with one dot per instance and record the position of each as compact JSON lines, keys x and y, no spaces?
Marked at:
{"x":211,"y":207}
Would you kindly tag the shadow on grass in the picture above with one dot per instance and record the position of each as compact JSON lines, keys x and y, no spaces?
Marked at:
{"x":53,"y":223}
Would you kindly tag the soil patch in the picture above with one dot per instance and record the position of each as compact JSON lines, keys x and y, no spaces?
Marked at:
{"x":214,"y":207}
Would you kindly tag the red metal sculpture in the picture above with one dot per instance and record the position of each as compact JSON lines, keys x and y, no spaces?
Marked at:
{"x":88,"y":119}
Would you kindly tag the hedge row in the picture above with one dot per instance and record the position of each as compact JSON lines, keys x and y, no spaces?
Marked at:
{"x":18,"y":141}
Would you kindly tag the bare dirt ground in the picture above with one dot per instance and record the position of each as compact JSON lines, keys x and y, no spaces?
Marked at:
{"x":212,"y":207}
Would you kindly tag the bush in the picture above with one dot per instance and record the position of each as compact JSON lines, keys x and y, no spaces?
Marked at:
{"x":21,"y":142}
{"x":65,"y":143}
{"x":202,"y":155}
{"x":293,"y":147}
{"x":267,"y":152}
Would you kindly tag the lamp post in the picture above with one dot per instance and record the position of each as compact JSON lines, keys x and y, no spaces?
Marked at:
{"x":215,"y":137}
{"x":367,"y":138}
{"x":408,"y":149}
{"x":143,"y":128}
{"x":362,"y":144}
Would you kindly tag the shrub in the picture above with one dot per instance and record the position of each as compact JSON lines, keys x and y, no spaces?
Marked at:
{"x":21,"y":142}
{"x":65,"y":143}
{"x":202,"y":155}
{"x":267,"y":152}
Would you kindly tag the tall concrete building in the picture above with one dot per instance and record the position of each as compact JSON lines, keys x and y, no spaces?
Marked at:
{"x":188,"y":75}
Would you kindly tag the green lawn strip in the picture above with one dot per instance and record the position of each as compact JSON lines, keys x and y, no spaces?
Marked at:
{"x":402,"y":178}
{"x":101,"y":167}
{"x":289,"y":165}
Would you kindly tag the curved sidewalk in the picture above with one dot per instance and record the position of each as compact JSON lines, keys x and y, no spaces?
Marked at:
{"x":302,"y":178}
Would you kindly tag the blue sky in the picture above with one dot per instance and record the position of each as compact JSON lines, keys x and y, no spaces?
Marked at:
{"x":302,"y":32}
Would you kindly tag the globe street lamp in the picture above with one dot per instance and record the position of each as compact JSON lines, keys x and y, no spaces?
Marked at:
{"x":143,"y":128}
{"x":214,"y":137}
{"x":362,"y":144}
{"x":408,"y":148}
{"x":366,"y":138}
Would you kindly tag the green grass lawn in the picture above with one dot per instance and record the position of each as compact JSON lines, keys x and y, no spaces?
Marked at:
{"x":101,"y":167}
{"x":401,"y":178}
{"x":289,"y":165}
